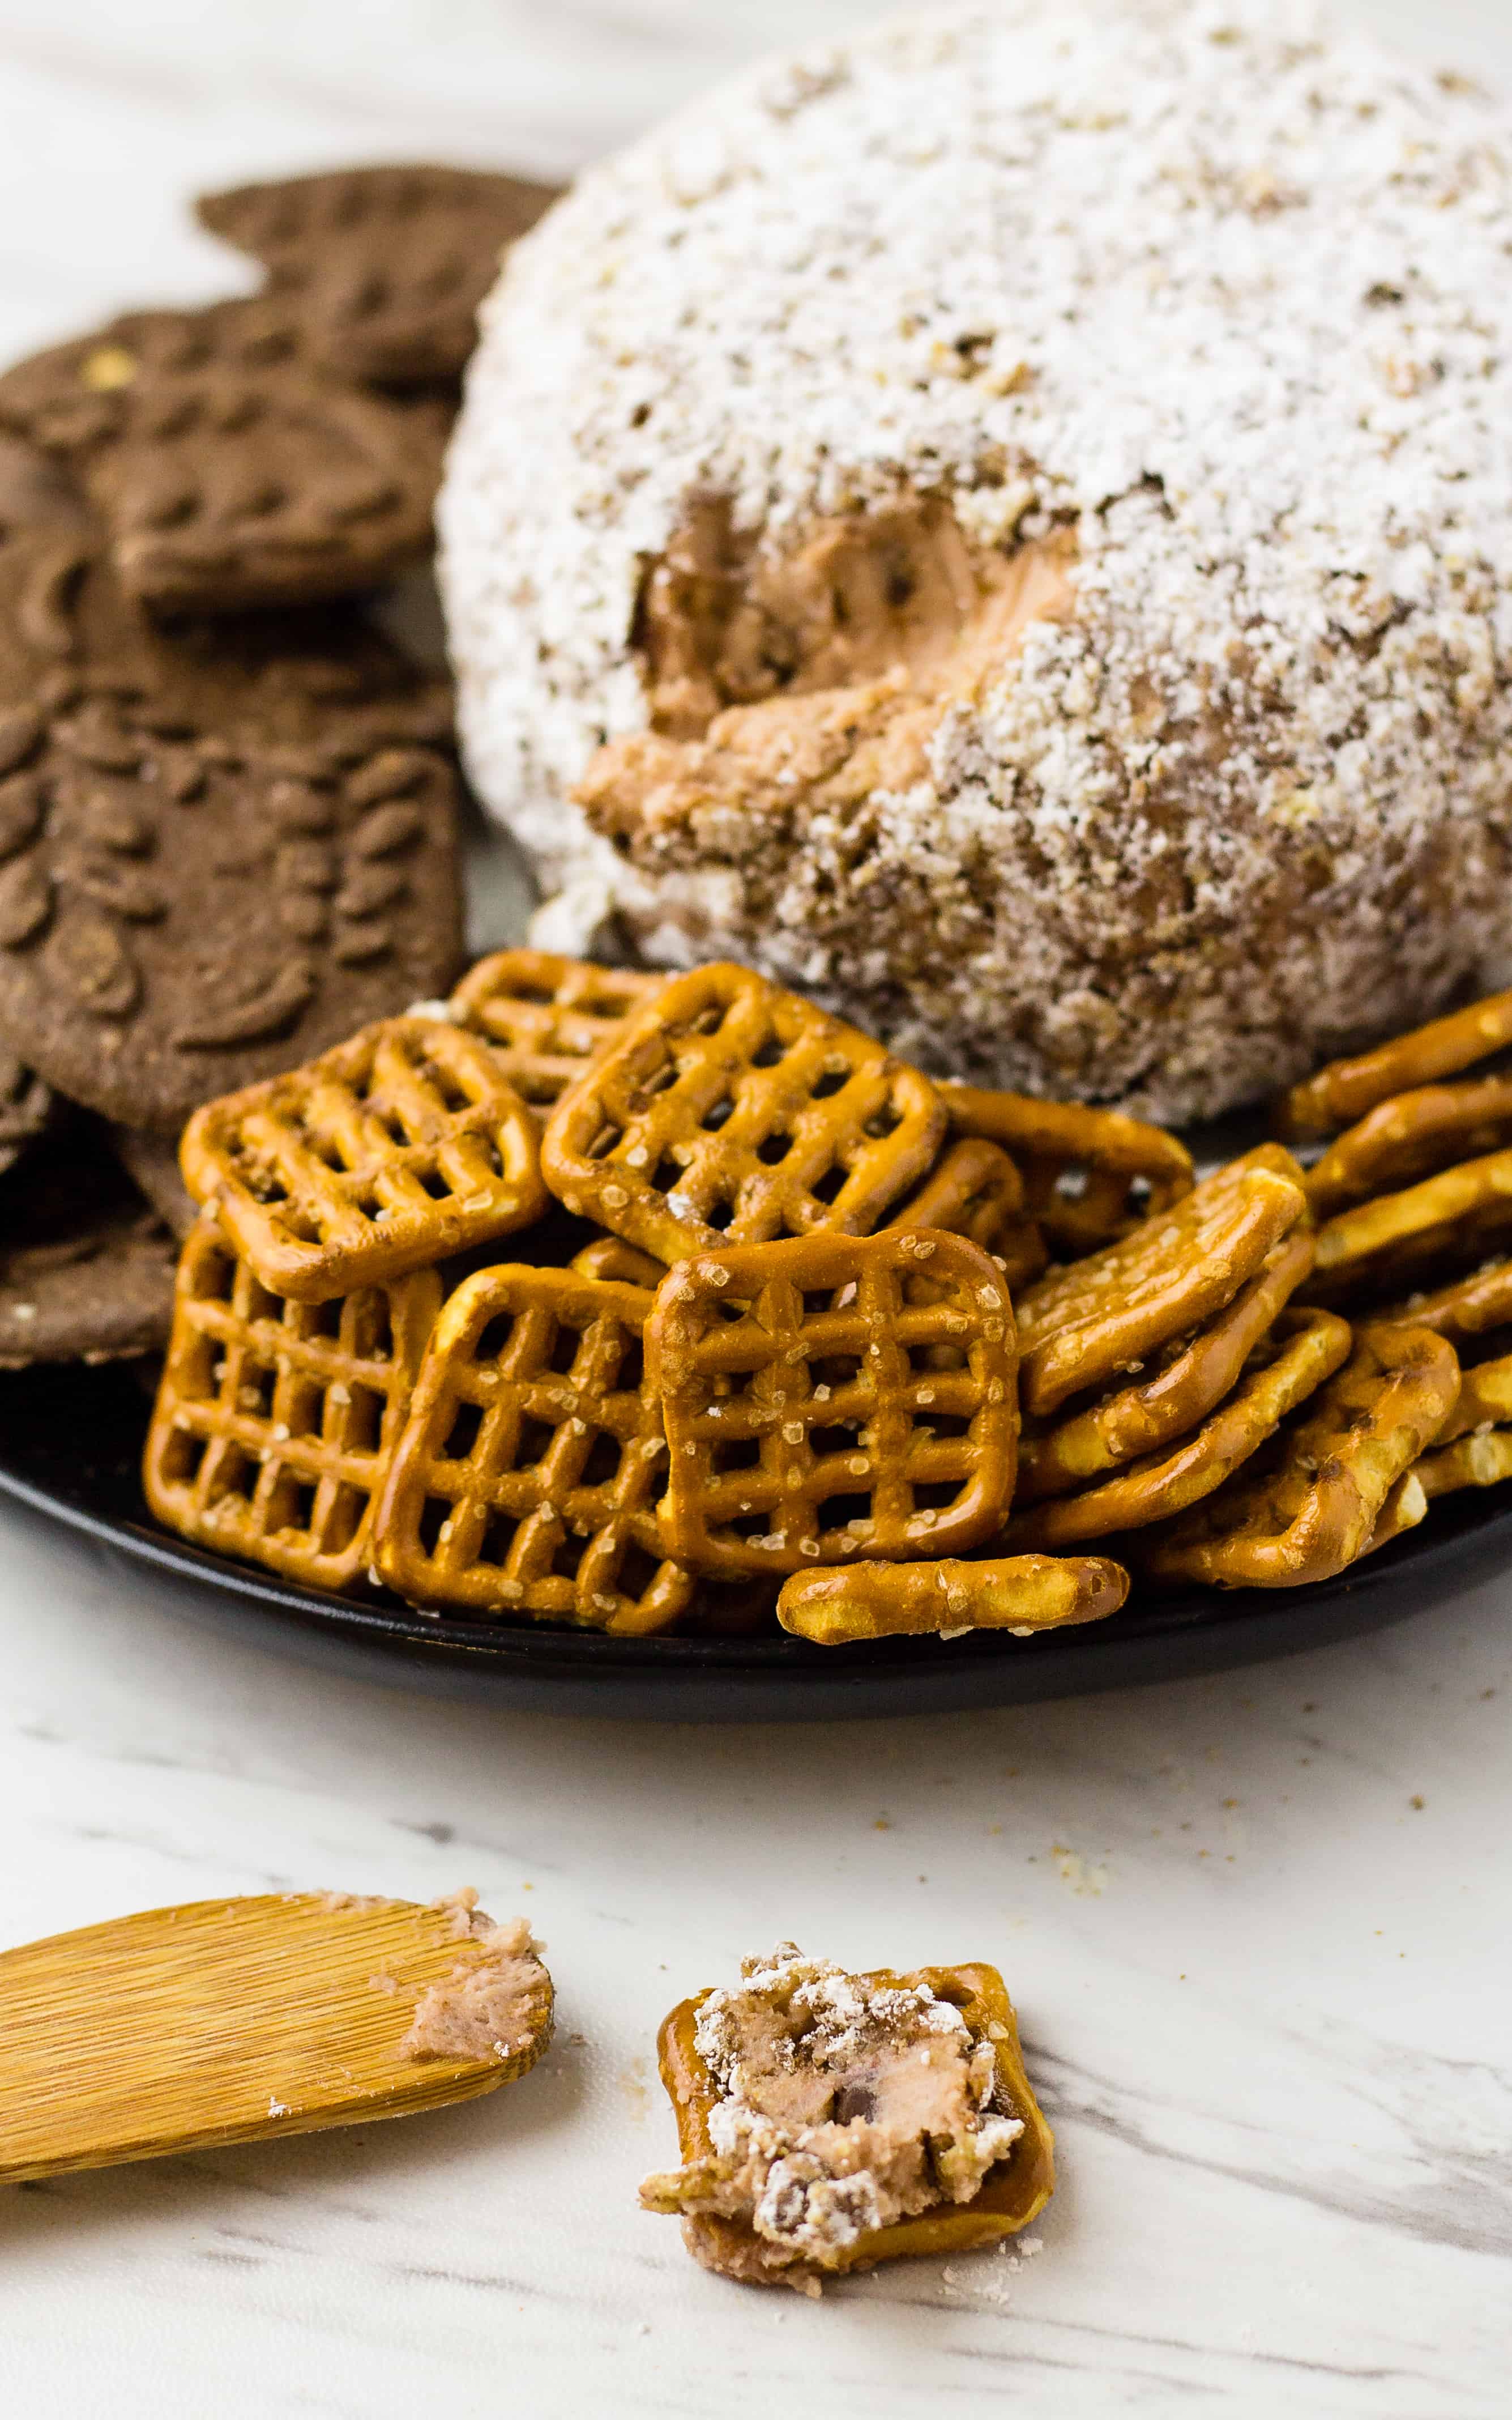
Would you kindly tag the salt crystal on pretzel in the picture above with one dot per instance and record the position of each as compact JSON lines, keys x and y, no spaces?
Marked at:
{"x":389,"y":1153}
{"x":1306,"y":1506}
{"x":1021,"y":1593}
{"x":1290,"y":1364}
{"x":547,"y":1016}
{"x":1412,"y":1135}
{"x":730,"y":1110}
{"x":530,"y":1470}
{"x":274,"y":1419}
{"x":807,"y":1419}
{"x":1089,"y":1175}
{"x":1083,"y":1325}
{"x":1347,"y":1088}
{"x":1192,"y":1377}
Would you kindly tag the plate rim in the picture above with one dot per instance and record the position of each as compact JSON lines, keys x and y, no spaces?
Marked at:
{"x":555,"y":1669}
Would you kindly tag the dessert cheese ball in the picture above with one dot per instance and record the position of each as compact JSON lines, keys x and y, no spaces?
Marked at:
{"x":1007,"y":526}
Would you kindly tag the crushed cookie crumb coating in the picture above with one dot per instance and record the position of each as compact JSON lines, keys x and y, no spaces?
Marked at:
{"x":1220,"y":296}
{"x":844,"y":2105}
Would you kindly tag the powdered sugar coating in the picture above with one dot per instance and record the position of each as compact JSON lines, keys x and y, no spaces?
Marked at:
{"x":1229,"y":297}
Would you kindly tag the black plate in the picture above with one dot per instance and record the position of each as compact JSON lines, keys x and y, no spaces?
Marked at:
{"x":70,"y":1442}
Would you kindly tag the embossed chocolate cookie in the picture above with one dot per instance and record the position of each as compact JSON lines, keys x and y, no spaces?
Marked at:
{"x":384,"y":267}
{"x":230,"y":470}
{"x":86,"y":1268}
{"x":220,"y":850}
{"x":151,"y":1162}
{"x":27,"y":1106}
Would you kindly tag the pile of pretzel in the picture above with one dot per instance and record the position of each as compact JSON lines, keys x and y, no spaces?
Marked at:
{"x":644,"y":1303}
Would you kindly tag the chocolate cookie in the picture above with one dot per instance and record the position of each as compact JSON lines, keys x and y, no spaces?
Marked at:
{"x":151,"y":1162}
{"x":86,"y":1269}
{"x":221,"y":850}
{"x":385,"y":267}
{"x":26,"y":1107}
{"x":230,"y":469}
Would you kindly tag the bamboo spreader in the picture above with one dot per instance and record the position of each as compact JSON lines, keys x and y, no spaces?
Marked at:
{"x":224,"y":2021}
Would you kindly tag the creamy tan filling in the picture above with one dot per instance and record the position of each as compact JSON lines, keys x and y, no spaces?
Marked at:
{"x":843,"y":2106}
{"x":824,"y":668}
{"x":489,"y":2007}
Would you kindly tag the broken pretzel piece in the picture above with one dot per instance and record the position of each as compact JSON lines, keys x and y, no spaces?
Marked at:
{"x":1089,"y":1175}
{"x":388,"y":1153}
{"x":808,"y":1417}
{"x":1306,"y":1506}
{"x":828,"y":2120}
{"x":1305,"y":1348}
{"x":1082,"y":1325}
{"x":728,"y":1110}
{"x":1024,"y":1593}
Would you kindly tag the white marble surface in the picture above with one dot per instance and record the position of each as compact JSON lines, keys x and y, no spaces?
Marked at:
{"x":1257,"y":1927}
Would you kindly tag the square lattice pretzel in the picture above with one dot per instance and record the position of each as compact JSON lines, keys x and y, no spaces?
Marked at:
{"x":547,"y":1017}
{"x":393,"y":1151}
{"x":528,"y":1474}
{"x":274,"y":1419}
{"x":730,"y":1110}
{"x":809,"y":1418}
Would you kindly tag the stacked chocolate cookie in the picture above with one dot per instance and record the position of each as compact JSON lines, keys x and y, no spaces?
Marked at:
{"x":228,"y":804}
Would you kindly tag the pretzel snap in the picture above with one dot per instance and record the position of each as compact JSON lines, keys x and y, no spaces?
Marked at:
{"x":1347,"y":1088}
{"x":547,"y":1016}
{"x":1307,"y":1505}
{"x":1083,"y":1325}
{"x":1401,"y":1237}
{"x":1468,"y":1306}
{"x":1405,"y":1507}
{"x":1483,"y":1459}
{"x":1412,"y":1136}
{"x":623,"y":1264}
{"x":529,"y":1473}
{"x":274,"y":1419}
{"x":393,"y":1151}
{"x":1289,"y":1365}
{"x":974,"y":1190}
{"x":1089,"y":1175}
{"x":807,"y":1420}
{"x":729,"y":1110}
{"x":1484,"y":1399}
{"x":1028,"y":1592}
{"x":1194,"y":1375}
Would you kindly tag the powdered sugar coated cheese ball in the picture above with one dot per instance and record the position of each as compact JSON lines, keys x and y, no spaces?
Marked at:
{"x":1008,"y":526}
